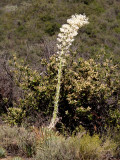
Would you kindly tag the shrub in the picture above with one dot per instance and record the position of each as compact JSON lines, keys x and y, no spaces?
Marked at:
{"x":116,"y":137}
{"x":14,"y":116}
{"x":89,"y":93}
{"x":80,"y":147}
{"x":2,"y":153}
{"x":17,"y":140}
{"x":117,"y":29}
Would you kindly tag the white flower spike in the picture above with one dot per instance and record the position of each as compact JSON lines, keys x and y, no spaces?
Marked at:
{"x":65,"y":39}
{"x":69,"y":31}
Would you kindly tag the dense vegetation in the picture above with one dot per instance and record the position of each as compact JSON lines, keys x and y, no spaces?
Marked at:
{"x":42,"y":144}
{"x":90,"y":84}
{"x":30,"y":27}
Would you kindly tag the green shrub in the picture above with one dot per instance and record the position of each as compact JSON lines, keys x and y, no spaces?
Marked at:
{"x":117,"y":29}
{"x":2,"y":153}
{"x":88,"y":93}
{"x":92,"y":147}
{"x":14,"y":116}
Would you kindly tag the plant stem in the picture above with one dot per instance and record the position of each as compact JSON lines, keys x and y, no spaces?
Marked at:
{"x":55,"y":112}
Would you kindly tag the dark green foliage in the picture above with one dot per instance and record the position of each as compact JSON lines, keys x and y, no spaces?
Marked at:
{"x":51,"y":28}
{"x":117,"y":30}
{"x":45,"y":18}
{"x":3,"y":103}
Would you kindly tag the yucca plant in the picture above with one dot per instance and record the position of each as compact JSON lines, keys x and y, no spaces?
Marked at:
{"x":65,"y":39}
{"x":2,"y":152}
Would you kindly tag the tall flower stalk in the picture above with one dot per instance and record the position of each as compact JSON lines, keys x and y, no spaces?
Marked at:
{"x":65,"y":38}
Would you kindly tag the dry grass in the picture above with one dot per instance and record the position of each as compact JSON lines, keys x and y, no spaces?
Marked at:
{"x":42,"y":144}
{"x":81,"y":147}
{"x":17,"y":140}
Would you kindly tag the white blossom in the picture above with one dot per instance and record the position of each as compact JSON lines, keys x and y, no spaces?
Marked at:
{"x":69,"y":31}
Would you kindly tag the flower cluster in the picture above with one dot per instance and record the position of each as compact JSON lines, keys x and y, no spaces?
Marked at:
{"x":69,"y":31}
